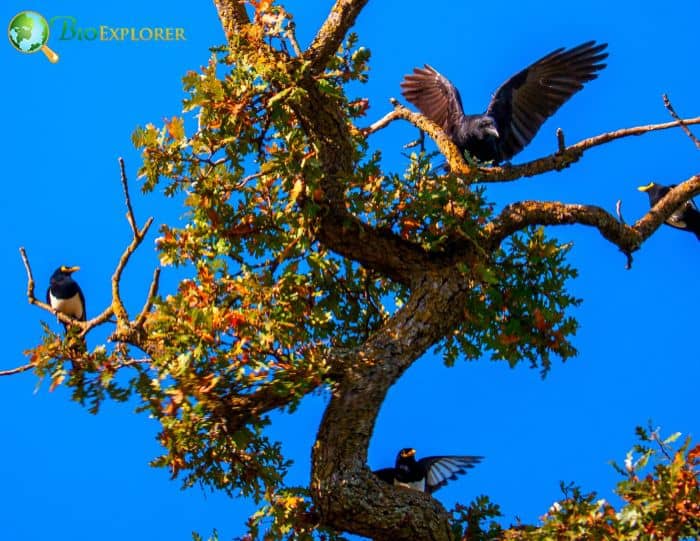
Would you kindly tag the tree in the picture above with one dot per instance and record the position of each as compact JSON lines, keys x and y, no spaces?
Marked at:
{"x":312,"y":268}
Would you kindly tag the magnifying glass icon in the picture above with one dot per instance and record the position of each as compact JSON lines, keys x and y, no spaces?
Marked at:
{"x":28,"y":33}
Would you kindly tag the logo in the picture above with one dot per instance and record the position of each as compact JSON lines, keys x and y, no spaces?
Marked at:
{"x":29,"y":32}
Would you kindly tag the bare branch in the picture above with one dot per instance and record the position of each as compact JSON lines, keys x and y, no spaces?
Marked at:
{"x":329,"y":37}
{"x":129,"y":210}
{"x":17,"y":370}
{"x":117,"y":304}
{"x":522,"y":214}
{"x":134,"y":362}
{"x":247,"y":179}
{"x":561,"y":144}
{"x":292,"y":37}
{"x":571,"y":154}
{"x":621,"y":218}
{"x":618,"y":211}
{"x":30,"y":276}
{"x":117,"y":307}
{"x":152,"y":292}
{"x":672,"y":112}
{"x":381,"y":123}
{"x":454,"y":157}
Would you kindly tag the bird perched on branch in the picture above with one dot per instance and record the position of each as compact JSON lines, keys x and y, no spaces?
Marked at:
{"x":687,"y":217}
{"x":64,"y":294}
{"x":427,"y":474}
{"x":517,"y":109}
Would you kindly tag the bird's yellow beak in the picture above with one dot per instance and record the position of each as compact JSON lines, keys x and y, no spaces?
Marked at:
{"x":70,"y":270}
{"x":646,"y":188}
{"x":407,"y":453}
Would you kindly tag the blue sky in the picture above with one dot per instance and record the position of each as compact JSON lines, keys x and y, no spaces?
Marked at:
{"x":69,"y":475}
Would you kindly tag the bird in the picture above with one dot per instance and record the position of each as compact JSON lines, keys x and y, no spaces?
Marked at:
{"x":687,"y":217}
{"x":518,"y":108}
{"x":427,"y":474}
{"x":64,"y":294}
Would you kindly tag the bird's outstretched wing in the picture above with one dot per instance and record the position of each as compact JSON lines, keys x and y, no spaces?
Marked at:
{"x":386,"y":474}
{"x":522,"y":104}
{"x":434,"y":95}
{"x":440,"y":469}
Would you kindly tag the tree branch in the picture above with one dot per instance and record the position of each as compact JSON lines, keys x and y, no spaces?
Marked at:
{"x":331,"y":34}
{"x":233,"y":16}
{"x":672,"y":112}
{"x":382,"y":122}
{"x":380,"y":250}
{"x":560,"y":160}
{"x":117,"y":304}
{"x":338,"y":229}
{"x":117,"y":307}
{"x":292,"y":37}
{"x":454,"y":157}
{"x":520,"y":215}
{"x":554,"y":162}
{"x":125,"y":186}
{"x":17,"y":370}
{"x":150,"y":299}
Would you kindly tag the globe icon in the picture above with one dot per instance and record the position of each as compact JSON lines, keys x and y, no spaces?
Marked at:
{"x":29,"y":32}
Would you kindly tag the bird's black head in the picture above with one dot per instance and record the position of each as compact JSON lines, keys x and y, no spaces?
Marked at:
{"x":406,"y":459}
{"x":63,"y":272}
{"x":485,"y":128}
{"x":407,"y":454}
{"x":654,"y":191}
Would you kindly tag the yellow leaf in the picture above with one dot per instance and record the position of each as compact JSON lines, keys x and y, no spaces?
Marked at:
{"x":294,"y":193}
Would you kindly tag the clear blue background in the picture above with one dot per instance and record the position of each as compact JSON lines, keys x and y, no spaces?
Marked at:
{"x":65,"y":474}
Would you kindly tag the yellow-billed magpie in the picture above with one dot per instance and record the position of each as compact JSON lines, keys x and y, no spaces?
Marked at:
{"x":64,"y":294}
{"x":687,"y":217}
{"x":427,"y":474}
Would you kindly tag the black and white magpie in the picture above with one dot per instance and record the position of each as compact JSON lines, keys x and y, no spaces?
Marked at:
{"x":64,"y":294}
{"x":427,"y":474}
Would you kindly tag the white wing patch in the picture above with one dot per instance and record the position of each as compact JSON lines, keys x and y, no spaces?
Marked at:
{"x":72,"y":306}
{"x":415,"y":485}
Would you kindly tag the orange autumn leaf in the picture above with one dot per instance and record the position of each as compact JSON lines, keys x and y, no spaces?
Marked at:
{"x":508,"y":339}
{"x":408,"y":225}
{"x":540,"y":323}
